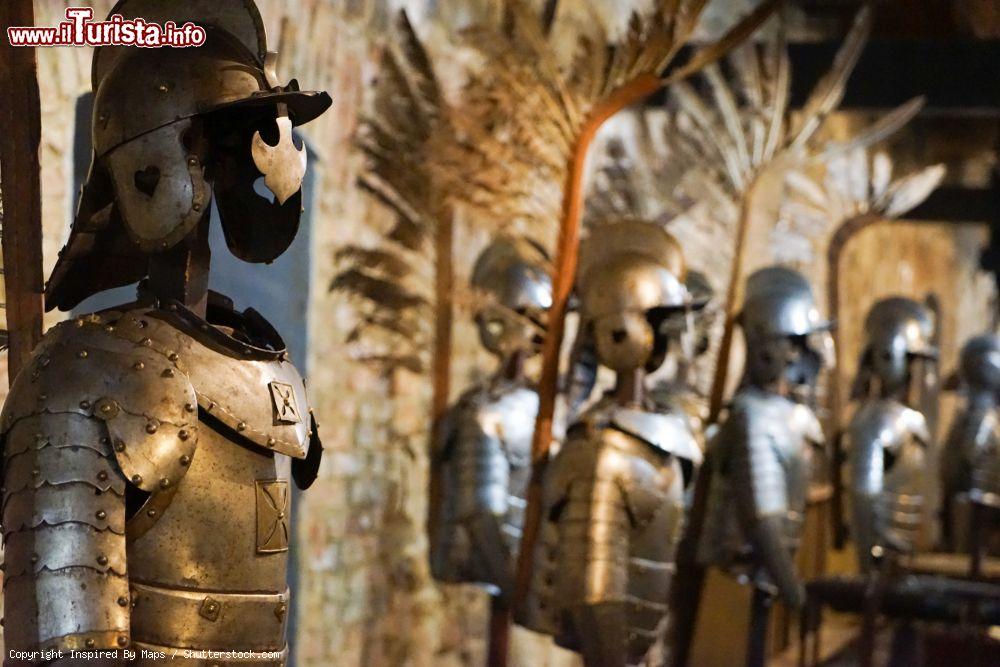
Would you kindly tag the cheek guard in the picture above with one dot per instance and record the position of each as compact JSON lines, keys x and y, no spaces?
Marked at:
{"x":283,"y":165}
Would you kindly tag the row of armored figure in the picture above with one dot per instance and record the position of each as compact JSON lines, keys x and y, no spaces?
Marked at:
{"x":616,"y":494}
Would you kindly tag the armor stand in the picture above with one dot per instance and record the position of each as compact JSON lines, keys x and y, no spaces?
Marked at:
{"x":760,"y":614}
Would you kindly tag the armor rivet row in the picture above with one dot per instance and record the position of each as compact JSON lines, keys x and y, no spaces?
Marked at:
{"x":82,"y":354}
{"x":142,"y":324}
{"x":190,"y":407}
{"x":209,"y":609}
{"x":103,"y":475}
{"x":151,"y":428}
{"x":146,"y":342}
{"x":102,"y":560}
{"x":122,"y":640}
{"x":119,"y":445}
{"x":271,"y":442}
{"x":168,"y":373}
{"x":137,"y":479}
{"x":183,"y":435}
{"x":90,"y":643}
{"x":173,"y":356}
{"x":185,"y":460}
{"x":101,"y":514}
{"x":242,"y":426}
{"x":164,"y":483}
{"x":151,"y":513}
{"x":107,"y":408}
{"x":105,"y":440}
{"x":85,"y":405}
{"x":138,"y":365}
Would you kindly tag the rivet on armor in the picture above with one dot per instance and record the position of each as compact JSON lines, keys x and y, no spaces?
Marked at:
{"x":101,"y":514}
{"x":142,"y":324}
{"x":102,"y":560}
{"x":203,"y":327}
{"x":168,"y":373}
{"x":34,"y":558}
{"x":151,"y":513}
{"x":105,"y":440}
{"x":82,"y":354}
{"x":173,"y":356}
{"x":78,"y":323}
{"x":242,"y":426}
{"x":123,"y":601}
{"x":183,"y":435}
{"x":271,"y":442}
{"x":85,"y":405}
{"x":196,"y":206}
{"x":164,"y":483}
{"x":163,"y":87}
{"x":146,"y":342}
{"x":36,"y":472}
{"x":164,"y":245}
{"x":190,"y":407}
{"x":138,"y":365}
{"x":43,"y":361}
{"x":119,"y":445}
{"x":103,"y":475}
{"x":193,"y":161}
{"x":210,"y":609}
{"x":109,"y":328}
{"x":151,"y":427}
{"x":106,"y":408}
{"x":247,"y":350}
{"x":280,"y":610}
{"x":137,"y":479}
{"x":185,"y":460}
{"x":122,"y":640}
{"x":90,"y":643}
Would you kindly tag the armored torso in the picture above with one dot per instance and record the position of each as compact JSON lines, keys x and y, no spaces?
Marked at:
{"x":764,"y":456}
{"x":147,"y":463}
{"x":485,"y":457}
{"x":887,"y":457}
{"x":613,"y":512}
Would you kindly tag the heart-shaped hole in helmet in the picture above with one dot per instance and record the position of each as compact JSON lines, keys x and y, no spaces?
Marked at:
{"x":147,"y":179}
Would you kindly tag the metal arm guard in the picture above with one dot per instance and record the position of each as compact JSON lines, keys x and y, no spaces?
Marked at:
{"x":887,"y":444}
{"x":484,"y":457}
{"x":613,"y":512}
{"x":764,"y":454}
{"x":78,"y":426}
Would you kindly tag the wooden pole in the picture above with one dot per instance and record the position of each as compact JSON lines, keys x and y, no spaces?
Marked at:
{"x":20,"y":136}
{"x":444,"y":279}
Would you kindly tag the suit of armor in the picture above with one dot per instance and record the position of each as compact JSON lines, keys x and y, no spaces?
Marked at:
{"x":886,"y":440}
{"x":765,"y":450}
{"x":484,"y":444}
{"x":614,"y":495}
{"x":147,"y":462}
{"x":971,"y":457}
{"x":149,"y":449}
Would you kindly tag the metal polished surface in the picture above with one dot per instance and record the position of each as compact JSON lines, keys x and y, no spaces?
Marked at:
{"x":485,"y":456}
{"x":887,"y":458}
{"x":764,"y":454}
{"x":133,"y":516}
{"x":614,"y":509}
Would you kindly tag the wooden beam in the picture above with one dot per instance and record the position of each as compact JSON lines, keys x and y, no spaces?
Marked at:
{"x":20,"y":136}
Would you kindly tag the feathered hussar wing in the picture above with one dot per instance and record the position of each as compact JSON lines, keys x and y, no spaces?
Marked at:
{"x":909,"y":192}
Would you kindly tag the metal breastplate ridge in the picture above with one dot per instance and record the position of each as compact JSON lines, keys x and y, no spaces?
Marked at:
{"x":614,"y":508}
{"x":110,"y":402}
{"x":485,"y":464}
{"x":888,"y":465}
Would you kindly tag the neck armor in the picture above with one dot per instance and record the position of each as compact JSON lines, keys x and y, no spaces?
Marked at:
{"x":173,"y":127}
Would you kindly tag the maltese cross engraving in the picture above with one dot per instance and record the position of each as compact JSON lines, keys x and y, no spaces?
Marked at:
{"x":272,"y":516}
{"x":286,"y":411}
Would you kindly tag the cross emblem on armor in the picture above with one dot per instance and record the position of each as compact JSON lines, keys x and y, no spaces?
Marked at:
{"x":272,"y":515}
{"x":286,"y":411}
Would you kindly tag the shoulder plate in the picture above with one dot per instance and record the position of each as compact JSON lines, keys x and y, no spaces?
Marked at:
{"x":149,"y":410}
{"x":888,"y":423}
{"x":256,"y":393}
{"x":669,"y":432}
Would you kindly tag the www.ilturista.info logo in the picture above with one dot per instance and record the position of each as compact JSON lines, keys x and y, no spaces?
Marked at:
{"x":80,"y":30}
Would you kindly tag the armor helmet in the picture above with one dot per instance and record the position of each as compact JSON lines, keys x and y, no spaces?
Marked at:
{"x":514,"y":275}
{"x":786,"y":337}
{"x":630,"y":282}
{"x":702,"y":293}
{"x":170,"y":128}
{"x":897,"y":330}
{"x":979,"y":364}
